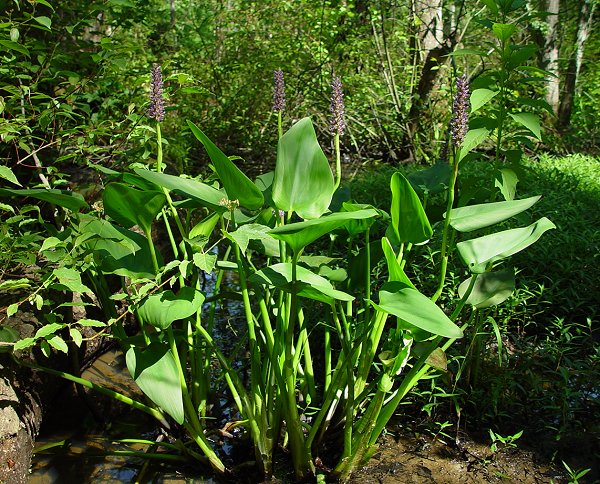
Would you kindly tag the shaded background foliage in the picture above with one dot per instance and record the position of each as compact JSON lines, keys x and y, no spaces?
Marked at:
{"x":74,"y":77}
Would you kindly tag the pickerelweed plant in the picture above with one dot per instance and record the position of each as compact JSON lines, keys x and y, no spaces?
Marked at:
{"x":332,"y":350}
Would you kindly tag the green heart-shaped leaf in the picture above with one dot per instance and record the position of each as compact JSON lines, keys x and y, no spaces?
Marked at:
{"x":413,"y":307}
{"x":155,"y":371}
{"x":490,"y":288}
{"x":474,"y":217}
{"x":309,"y":284}
{"x":162,"y":309}
{"x":479,"y":253}
{"x":129,"y":206}
{"x":303,"y":181}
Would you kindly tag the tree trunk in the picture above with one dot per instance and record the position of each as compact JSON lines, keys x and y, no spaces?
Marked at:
{"x":429,"y":32}
{"x":437,"y":39}
{"x":550,"y":55}
{"x":24,"y":394}
{"x":172,"y":12}
{"x":584,"y":25}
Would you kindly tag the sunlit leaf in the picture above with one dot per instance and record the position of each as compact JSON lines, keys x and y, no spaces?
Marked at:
{"x":7,"y":174}
{"x":155,"y":371}
{"x":479,"y":253}
{"x":473,"y":217}
{"x":12,"y":284}
{"x":473,"y":138}
{"x":409,"y":220}
{"x":200,"y":193}
{"x":248,"y":232}
{"x":70,"y":279}
{"x":48,"y":329}
{"x":395,"y":271}
{"x":303,"y":181}
{"x":308,"y":284}
{"x":163,"y":308}
{"x":406,"y":303}
{"x":299,"y":235}
{"x":205,"y":261}
{"x":480,"y":97}
{"x":530,"y":121}
{"x":508,"y":186}
{"x":76,"y":336}
{"x":91,"y":323}
{"x":12,"y":309}
{"x":23,"y":343}
{"x":58,"y":343}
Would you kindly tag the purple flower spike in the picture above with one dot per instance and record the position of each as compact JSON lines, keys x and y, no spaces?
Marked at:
{"x":337,"y":123}
{"x":278,"y":91}
{"x":460,"y":111}
{"x":157,"y":103}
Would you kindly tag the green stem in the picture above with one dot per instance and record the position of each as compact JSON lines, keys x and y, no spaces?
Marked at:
{"x":301,"y":455}
{"x":159,"y":152}
{"x":279,"y":125}
{"x":367,"y":276}
{"x":170,"y":234}
{"x":338,"y":162}
{"x":192,"y":422}
{"x":446,"y":231}
{"x":327,"y":347}
{"x":369,"y":350}
{"x":152,"y":251}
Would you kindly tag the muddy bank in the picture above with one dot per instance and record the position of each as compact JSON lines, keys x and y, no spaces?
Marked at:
{"x":408,"y":459}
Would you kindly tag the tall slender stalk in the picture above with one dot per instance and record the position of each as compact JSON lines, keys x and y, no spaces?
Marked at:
{"x":445,"y":233}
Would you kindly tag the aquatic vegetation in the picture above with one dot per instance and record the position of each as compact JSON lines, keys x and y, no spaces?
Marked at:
{"x":376,"y":337}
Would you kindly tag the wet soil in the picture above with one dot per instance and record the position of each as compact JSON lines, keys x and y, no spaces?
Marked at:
{"x":408,"y":459}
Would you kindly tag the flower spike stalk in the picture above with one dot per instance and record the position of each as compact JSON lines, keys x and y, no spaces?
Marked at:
{"x":337,"y":124}
{"x":459,"y":125}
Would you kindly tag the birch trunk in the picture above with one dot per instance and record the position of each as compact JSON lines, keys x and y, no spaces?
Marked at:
{"x":550,"y":55}
{"x":584,"y":26}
